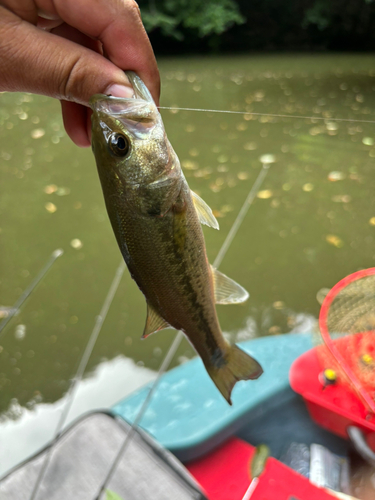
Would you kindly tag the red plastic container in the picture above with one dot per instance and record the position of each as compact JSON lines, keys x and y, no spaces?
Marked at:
{"x":334,"y":406}
{"x":225,"y":475}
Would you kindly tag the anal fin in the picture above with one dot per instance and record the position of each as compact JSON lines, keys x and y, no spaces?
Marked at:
{"x":154,"y":322}
{"x":204,"y":212}
{"x":226,"y":290}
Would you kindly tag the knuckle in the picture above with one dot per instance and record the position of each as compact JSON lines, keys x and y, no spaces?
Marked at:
{"x":71,"y":80}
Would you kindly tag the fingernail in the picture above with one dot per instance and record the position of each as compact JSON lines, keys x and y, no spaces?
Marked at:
{"x":117,"y":90}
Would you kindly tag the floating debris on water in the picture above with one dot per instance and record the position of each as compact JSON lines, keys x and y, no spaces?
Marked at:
{"x":222,"y":159}
{"x":51,"y":188}
{"x":226,"y":208}
{"x":331,"y":126}
{"x":342,"y":198}
{"x":274,"y":330}
{"x":372,"y":221}
{"x":264,"y":194}
{"x":20,"y":332}
{"x":190,"y":165}
{"x":334,"y":240}
{"x":336,"y":176}
{"x":308,"y":187}
{"x":5,"y":311}
{"x":50,"y":207}
{"x":76,"y":243}
{"x":37,"y":133}
{"x":267,"y":159}
{"x":222,"y":168}
{"x":241,"y":127}
{"x":321,"y":295}
{"x":250,"y":146}
{"x":243,"y":176}
{"x":368,"y":141}
{"x":62,"y":191}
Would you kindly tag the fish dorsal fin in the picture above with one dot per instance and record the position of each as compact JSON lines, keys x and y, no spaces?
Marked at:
{"x":227,"y":291}
{"x":154,"y":322}
{"x":204,"y":212}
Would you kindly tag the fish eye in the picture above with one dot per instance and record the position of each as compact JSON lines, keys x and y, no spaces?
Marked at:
{"x":119,"y":144}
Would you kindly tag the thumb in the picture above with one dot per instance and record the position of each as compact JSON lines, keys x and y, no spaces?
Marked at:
{"x":32,"y":60}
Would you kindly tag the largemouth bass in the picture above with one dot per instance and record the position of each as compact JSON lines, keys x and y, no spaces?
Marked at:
{"x":157,"y":220}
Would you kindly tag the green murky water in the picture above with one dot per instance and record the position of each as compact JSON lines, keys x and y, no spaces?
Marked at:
{"x":312,"y":223}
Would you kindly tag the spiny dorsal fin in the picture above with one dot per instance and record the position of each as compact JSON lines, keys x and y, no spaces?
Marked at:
{"x":204,"y":212}
{"x":227,"y":291}
{"x":154,"y":322}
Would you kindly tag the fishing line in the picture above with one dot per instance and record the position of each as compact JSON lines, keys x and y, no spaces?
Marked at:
{"x":80,"y":371}
{"x":55,"y":255}
{"x":249,"y":113}
{"x":179,"y":336}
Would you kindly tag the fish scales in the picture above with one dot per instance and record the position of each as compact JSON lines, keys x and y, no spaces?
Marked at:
{"x":157,"y":223}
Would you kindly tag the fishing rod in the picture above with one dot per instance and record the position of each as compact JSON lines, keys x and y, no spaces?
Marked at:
{"x":79,"y":373}
{"x":267,"y":160}
{"x":29,"y":290}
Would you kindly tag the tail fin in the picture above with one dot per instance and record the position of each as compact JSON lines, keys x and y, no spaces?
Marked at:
{"x":238,"y":365}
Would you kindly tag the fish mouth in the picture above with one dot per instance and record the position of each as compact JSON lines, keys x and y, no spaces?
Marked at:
{"x":108,"y":103}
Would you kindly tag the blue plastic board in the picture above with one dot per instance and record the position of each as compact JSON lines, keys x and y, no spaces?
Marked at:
{"x":187,"y":411}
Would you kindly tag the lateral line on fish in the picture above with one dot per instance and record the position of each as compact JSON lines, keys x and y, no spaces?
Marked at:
{"x":274,"y":115}
{"x":79,"y":373}
{"x":179,"y":335}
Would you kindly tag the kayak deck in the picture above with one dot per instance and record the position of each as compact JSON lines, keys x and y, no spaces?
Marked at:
{"x":188,"y":415}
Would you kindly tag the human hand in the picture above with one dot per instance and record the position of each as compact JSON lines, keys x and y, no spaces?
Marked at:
{"x":57,"y":48}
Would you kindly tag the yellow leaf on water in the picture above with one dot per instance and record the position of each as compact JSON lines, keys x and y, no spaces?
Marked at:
{"x":50,"y":207}
{"x":336,"y":176}
{"x":37,"y":133}
{"x":51,"y":188}
{"x":76,"y":243}
{"x":243,"y":176}
{"x":368,"y":141}
{"x":334,"y":240}
{"x":266,"y":193}
{"x":189,"y":165}
{"x":267,"y":159}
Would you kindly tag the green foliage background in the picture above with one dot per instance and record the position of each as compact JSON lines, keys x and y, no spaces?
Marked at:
{"x":236,"y":25}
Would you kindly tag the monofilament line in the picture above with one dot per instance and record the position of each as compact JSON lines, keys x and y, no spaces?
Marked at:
{"x":179,"y":335}
{"x":80,"y":371}
{"x":272,"y":115}
{"x":29,"y":290}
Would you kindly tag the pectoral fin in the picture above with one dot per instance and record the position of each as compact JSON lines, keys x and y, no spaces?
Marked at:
{"x":226,"y":290}
{"x":204,"y":212}
{"x":154,"y":322}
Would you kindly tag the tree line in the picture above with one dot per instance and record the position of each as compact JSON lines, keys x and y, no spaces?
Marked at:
{"x":183,"y":26}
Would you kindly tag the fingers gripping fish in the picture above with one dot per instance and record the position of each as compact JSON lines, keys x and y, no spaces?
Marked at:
{"x":157,"y":221}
